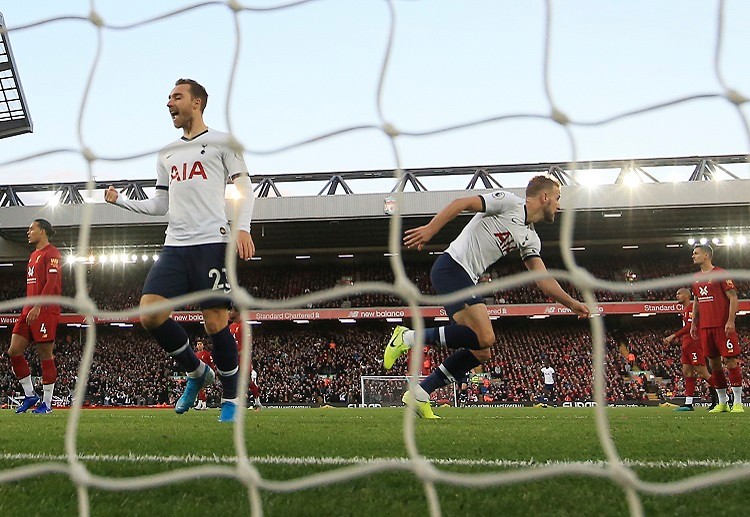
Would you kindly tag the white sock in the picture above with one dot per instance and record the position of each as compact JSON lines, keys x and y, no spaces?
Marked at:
{"x":420,"y":394}
{"x":28,"y":387}
{"x":410,"y":338}
{"x":722,"y":393}
{"x":737,"y":390}
{"x":49,"y":389}
{"x":688,"y":401}
{"x":198,"y":371}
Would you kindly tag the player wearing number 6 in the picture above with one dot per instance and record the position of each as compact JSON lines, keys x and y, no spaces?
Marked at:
{"x":503,"y":223}
{"x":38,"y":323}
{"x":192,"y":174}
{"x":714,"y":312}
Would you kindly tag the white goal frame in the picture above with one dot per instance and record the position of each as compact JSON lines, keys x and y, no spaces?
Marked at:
{"x":394,"y":378}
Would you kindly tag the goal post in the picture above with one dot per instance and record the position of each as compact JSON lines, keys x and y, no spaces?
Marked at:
{"x":387,"y":390}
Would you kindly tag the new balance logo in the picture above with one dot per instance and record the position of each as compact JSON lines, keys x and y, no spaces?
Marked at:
{"x":703,"y":290}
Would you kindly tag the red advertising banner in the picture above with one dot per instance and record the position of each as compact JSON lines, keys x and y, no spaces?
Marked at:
{"x":540,"y":310}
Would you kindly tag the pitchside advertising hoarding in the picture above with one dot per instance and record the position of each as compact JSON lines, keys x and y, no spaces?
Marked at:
{"x":537,"y":310}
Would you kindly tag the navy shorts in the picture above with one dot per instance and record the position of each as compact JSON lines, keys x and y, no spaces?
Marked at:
{"x":187,"y":269}
{"x":447,"y":277}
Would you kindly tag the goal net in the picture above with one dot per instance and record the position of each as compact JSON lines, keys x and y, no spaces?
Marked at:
{"x":92,"y":150}
{"x":387,"y":390}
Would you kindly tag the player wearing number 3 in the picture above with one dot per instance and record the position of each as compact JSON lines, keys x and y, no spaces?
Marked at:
{"x":38,"y":323}
{"x":714,"y":312}
{"x":192,"y":174}
{"x":503,"y":223}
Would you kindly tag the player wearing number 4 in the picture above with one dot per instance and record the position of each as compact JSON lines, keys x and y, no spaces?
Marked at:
{"x":38,"y":323}
{"x":503,"y":223}
{"x":714,"y":312}
{"x":192,"y":174}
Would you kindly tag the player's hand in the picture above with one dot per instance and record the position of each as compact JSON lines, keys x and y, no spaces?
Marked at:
{"x":729,"y":328}
{"x":418,"y":237}
{"x":33,"y":314}
{"x":111,"y":194}
{"x":667,"y":340}
{"x":245,"y":246}
{"x":694,"y":332}
{"x":581,"y":310}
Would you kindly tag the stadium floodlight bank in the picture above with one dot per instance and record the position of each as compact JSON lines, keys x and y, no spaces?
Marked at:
{"x":387,"y":390}
{"x":14,"y":112}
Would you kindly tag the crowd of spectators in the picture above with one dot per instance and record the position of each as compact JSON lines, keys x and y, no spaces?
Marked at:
{"x":116,"y":286}
{"x":321,"y":363}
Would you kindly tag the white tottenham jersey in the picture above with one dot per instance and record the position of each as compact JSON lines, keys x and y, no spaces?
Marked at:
{"x":196,"y":173}
{"x":549,"y":375}
{"x":495,"y":233}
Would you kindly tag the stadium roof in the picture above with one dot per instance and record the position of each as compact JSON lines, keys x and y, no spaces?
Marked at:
{"x":608,"y":216}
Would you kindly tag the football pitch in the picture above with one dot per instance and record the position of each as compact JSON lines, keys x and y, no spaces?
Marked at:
{"x":284,"y":444}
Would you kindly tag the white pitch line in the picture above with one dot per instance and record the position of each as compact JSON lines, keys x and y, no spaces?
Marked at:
{"x":339,"y":461}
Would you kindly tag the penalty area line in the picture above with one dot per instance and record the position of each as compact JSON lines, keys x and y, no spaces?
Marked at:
{"x":340,"y":461}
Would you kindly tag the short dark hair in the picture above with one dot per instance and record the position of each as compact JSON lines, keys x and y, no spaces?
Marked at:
{"x":539,"y":184}
{"x":196,"y":90}
{"x":707,"y":249}
{"x":46,"y":226}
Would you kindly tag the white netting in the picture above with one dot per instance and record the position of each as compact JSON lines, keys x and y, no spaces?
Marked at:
{"x":614,"y":469}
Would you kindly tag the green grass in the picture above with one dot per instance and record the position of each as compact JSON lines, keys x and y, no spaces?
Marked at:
{"x":641,"y":434}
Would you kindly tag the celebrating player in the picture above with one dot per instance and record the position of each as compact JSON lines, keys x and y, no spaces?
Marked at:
{"x":205,"y":356}
{"x":38,"y":323}
{"x":714,"y":312}
{"x":692,"y":357}
{"x":192,"y":174}
{"x":235,"y":328}
{"x":503,"y":223}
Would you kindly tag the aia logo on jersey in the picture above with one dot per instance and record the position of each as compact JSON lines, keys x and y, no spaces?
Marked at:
{"x":186,"y":173}
{"x":703,"y":290}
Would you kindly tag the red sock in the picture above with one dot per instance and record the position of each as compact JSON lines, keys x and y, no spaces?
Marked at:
{"x":718,"y":380}
{"x":735,"y":376}
{"x":254,"y":389}
{"x":689,"y":386}
{"x":20,"y":366}
{"x":49,"y":371}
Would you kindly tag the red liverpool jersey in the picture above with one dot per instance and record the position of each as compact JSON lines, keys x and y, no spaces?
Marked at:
{"x":713,"y":303}
{"x":236,"y":330}
{"x":44,"y":276}
{"x":687,"y":321}
{"x":205,"y":356}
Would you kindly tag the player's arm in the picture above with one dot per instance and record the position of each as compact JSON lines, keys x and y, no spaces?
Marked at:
{"x":734,"y":303}
{"x":694,"y":324}
{"x":244,"y":215}
{"x":52,"y":266}
{"x":418,"y":237}
{"x":552,"y":288}
{"x":157,"y":205}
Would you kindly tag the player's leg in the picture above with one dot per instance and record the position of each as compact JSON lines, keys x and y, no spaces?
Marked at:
{"x":207,"y":271}
{"x":225,"y":354}
{"x":477,"y":319}
{"x":447,"y":276}
{"x":688,"y":376}
{"x":713,"y":354}
{"x":169,"y":278}
{"x":19,"y":340}
{"x":49,"y":376}
{"x":255,"y":390}
{"x":730,"y":352}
